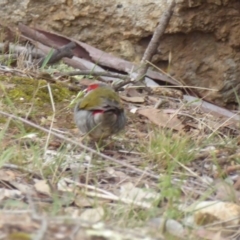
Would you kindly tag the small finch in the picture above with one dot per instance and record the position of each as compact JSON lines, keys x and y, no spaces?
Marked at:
{"x":100,"y":112}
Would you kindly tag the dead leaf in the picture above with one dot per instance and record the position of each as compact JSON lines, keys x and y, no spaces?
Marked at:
{"x":161,"y":119}
{"x":133,"y":99}
{"x":92,"y":215}
{"x":121,"y":176}
{"x":7,"y":175}
{"x":132,"y":92}
{"x":219,"y":210}
{"x":83,"y":201}
{"x":129,"y":191}
{"x":226,"y":213}
{"x":42,"y":187}
{"x":9,"y":193}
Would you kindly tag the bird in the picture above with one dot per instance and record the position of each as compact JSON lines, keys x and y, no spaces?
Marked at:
{"x":100,"y":112}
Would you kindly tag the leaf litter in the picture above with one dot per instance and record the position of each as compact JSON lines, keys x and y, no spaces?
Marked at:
{"x":191,"y":145}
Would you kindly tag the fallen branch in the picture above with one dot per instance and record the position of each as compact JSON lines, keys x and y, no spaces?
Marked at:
{"x":84,"y":52}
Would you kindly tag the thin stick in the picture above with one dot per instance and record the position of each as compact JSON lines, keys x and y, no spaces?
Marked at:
{"x":89,"y":187}
{"x":107,"y":195}
{"x":94,"y":73}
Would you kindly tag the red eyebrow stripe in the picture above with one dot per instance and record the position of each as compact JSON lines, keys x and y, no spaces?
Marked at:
{"x":92,"y":86}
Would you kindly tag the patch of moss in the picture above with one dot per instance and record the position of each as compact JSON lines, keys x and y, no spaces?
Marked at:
{"x":30,"y":97}
{"x":28,"y":90}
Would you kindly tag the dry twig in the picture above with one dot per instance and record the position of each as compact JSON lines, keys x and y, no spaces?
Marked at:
{"x":94,"y":73}
{"x":152,"y":46}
